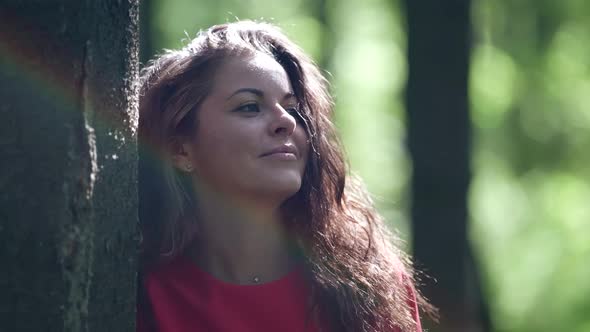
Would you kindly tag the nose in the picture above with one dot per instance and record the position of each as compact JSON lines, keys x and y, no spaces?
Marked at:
{"x":283,"y":123}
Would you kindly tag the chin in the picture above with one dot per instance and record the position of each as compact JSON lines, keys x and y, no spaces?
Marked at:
{"x":284,"y":187}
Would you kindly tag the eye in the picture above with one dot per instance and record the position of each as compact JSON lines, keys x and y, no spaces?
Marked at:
{"x":295,"y":112}
{"x":248,"y":108}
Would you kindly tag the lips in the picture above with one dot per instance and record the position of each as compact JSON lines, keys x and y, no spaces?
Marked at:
{"x":284,"y":149}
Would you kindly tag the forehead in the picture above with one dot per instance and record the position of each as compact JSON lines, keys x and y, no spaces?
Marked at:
{"x":258,"y":71}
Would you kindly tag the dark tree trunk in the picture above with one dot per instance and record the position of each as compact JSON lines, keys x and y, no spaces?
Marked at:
{"x":68,"y":202}
{"x":439,"y":144}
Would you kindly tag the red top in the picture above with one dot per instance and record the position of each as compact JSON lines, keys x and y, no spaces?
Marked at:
{"x":184,"y":298}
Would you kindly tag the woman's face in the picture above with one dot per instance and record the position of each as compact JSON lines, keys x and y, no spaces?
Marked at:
{"x":249,"y":142}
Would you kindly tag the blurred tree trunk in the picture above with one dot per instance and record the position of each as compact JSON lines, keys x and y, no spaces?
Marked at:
{"x":68,"y":203}
{"x":439,"y":144}
{"x":319,"y":10}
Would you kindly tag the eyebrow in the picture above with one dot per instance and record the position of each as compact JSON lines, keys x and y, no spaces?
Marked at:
{"x":258,"y":93}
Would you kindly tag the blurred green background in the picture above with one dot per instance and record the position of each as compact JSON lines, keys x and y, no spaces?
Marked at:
{"x":530,"y":109}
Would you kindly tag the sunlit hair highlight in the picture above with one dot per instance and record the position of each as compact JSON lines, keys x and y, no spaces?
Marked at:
{"x":359,"y":277}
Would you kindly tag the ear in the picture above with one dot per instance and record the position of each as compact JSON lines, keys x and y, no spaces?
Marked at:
{"x":182,"y":155}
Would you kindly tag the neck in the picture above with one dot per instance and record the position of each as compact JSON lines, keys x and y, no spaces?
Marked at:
{"x":241,"y":243}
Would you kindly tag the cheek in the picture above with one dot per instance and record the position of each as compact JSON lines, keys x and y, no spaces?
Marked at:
{"x":304,"y":144}
{"x":224,"y":145}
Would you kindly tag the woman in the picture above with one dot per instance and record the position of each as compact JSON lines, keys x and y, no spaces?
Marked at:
{"x":255,"y":224}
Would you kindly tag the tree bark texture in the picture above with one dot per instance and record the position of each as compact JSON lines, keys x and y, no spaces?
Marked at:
{"x":68,"y":184}
{"x":439,"y":143}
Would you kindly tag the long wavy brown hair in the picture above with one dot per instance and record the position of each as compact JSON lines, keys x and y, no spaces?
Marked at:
{"x":360,"y":279}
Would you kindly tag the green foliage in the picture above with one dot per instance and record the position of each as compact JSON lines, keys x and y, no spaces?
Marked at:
{"x":530,"y":93}
{"x":369,"y":68}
